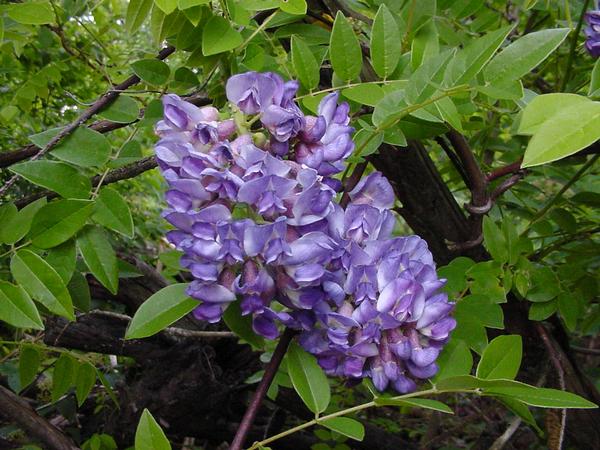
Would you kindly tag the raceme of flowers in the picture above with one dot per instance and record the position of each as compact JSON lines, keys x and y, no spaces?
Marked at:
{"x":252,"y":198}
{"x":592,"y":31}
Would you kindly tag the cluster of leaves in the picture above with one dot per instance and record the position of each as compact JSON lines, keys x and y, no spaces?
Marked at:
{"x":410,"y":71}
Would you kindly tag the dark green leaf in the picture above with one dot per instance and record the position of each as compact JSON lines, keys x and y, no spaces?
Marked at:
{"x":152,"y":71}
{"x":17,"y":309}
{"x":123,"y":110}
{"x":16,"y":227}
{"x":86,"y":379}
{"x":308,"y":378}
{"x":29,"y":363}
{"x":99,"y":256}
{"x":63,"y":258}
{"x":494,"y":240}
{"x":344,"y":50}
{"x":42,"y":282}
{"x":242,"y":325}
{"x":52,"y":175}
{"x":64,"y":375}
{"x":305,"y":63}
{"x":113,"y":212}
{"x":58,"y":221}
{"x":160,"y":310}
{"x":80,"y":292}
{"x":455,"y":359}
{"x":218,"y":36}
{"x":386,"y":42}
{"x":84,"y":147}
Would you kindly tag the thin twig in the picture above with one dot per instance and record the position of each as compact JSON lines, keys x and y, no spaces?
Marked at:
{"x":259,"y":394}
{"x":505,"y":170}
{"x":97,"y":106}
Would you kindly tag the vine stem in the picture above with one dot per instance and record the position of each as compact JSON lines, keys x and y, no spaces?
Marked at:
{"x":342,"y":412}
{"x":565,"y":80}
{"x":259,"y":394}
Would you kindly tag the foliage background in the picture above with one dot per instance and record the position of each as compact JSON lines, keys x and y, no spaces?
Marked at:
{"x":526,"y":267}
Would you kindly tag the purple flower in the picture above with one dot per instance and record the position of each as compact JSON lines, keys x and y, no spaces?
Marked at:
{"x":262,"y":228}
{"x":253,"y":92}
{"x":592,"y":32}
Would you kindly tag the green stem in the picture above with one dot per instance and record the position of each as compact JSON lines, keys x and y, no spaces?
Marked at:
{"x":261,"y":27}
{"x":559,"y":194}
{"x":345,"y":86}
{"x":347,"y":411}
{"x":574,"y":46}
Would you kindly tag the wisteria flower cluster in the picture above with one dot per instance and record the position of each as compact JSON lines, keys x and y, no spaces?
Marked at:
{"x":252,"y":197}
{"x":592,"y":31}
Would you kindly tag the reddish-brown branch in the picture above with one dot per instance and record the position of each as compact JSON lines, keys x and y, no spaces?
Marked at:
{"x":261,"y":391}
{"x":506,"y":170}
{"x":97,"y":106}
{"x":477,"y":181}
{"x":16,"y":410}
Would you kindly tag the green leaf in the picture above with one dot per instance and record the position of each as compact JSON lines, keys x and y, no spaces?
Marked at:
{"x":569,"y":308}
{"x":29,"y":363}
{"x":501,"y":358}
{"x":424,"y":403}
{"x":308,"y":378}
{"x":8,"y":211}
{"x":149,"y":435}
{"x":523,"y":55}
{"x":17,"y":309}
{"x":386,"y":43}
{"x":425,"y":44}
{"x":99,"y":256}
{"x":219,"y":36}
{"x":137,"y":12}
{"x":63,"y":259}
{"x":366,"y":142}
{"x":152,"y":71}
{"x":520,"y":409}
{"x":345,"y":426}
{"x":52,"y":175}
{"x":456,"y":359}
{"x":80,"y":292}
{"x":35,"y":13}
{"x":494,"y":240}
{"x":544,"y":107}
{"x":42,"y":282}
{"x":305,"y":63}
{"x":86,"y":379}
{"x":543,"y":310}
{"x":563,"y":134}
{"x":594,"y":90}
{"x":16,"y":227}
{"x":63,"y":377}
{"x":56,"y":222}
{"x":160,"y":310}
{"x":297,"y":7}
{"x":476,"y":54}
{"x":423,"y":82}
{"x":113,"y":212}
{"x":365,"y":94}
{"x":123,"y":110}
{"x":541,"y":397}
{"x":167,"y":6}
{"x":344,"y":50}
{"x":242,"y":325}
{"x":84,"y":147}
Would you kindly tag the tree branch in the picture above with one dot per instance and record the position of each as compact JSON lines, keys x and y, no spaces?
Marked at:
{"x":16,"y":410}
{"x":97,"y":106}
